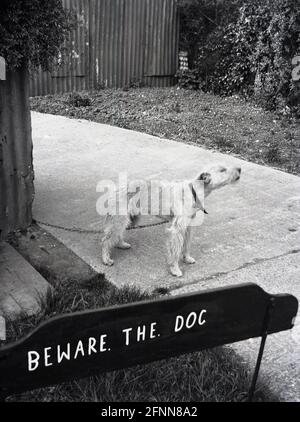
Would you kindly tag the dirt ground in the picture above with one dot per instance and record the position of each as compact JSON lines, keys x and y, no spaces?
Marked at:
{"x":229,"y":125}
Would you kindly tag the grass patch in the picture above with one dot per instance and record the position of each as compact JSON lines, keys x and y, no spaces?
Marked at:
{"x":209,"y":376}
{"x":229,"y":125}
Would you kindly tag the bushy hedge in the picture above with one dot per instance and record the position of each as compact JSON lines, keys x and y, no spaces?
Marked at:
{"x":200,"y":18}
{"x":251,"y":52}
{"x":32,"y":31}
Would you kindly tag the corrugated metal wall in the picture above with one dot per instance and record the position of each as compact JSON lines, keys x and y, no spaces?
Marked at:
{"x":16,"y":171}
{"x":116,"y":43}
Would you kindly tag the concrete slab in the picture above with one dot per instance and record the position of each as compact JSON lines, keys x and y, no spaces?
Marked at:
{"x":46,"y":253}
{"x":250,"y":234}
{"x":280,"y":368}
{"x":22,"y":288}
{"x":253,"y":220}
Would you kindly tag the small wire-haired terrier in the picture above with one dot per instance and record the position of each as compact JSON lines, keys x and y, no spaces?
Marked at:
{"x":178,"y":202}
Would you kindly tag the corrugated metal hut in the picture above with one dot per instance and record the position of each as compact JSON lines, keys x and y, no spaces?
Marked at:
{"x":117,"y":43}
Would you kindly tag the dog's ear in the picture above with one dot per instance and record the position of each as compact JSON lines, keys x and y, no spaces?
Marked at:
{"x":205,"y":177}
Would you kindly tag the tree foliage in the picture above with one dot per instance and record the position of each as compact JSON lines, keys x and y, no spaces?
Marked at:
{"x":33,"y":31}
{"x":250,"y":50}
{"x":199,"y":18}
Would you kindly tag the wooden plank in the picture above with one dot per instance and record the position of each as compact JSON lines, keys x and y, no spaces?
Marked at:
{"x":86,"y":343}
{"x":22,"y":288}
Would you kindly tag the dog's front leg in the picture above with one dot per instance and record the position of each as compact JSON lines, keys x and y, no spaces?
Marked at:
{"x":107,"y":244}
{"x":186,"y":247}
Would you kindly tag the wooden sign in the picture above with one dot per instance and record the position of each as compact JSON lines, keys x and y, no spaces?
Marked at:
{"x":2,"y":69}
{"x":86,"y":343}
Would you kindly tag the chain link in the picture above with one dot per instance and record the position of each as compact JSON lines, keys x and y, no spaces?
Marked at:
{"x":87,"y":231}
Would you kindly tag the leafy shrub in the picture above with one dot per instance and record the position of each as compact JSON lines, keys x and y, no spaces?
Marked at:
{"x":251,"y":52}
{"x":273,"y":153}
{"x":33,"y":31}
{"x":199,"y":18}
{"x":273,"y":53}
{"x":79,"y":100}
{"x":294,"y":99}
{"x":188,"y":79}
{"x":136,"y":83}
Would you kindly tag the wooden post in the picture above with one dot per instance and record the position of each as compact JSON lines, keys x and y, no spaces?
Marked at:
{"x":2,"y":69}
{"x":16,"y":167}
{"x":2,"y":328}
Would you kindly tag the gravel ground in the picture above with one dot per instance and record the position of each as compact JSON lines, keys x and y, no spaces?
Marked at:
{"x":229,"y":125}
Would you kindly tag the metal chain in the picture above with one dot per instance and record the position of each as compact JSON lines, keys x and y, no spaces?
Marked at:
{"x":80,"y":230}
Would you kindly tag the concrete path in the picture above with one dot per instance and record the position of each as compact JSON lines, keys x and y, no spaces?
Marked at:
{"x":250,"y":234}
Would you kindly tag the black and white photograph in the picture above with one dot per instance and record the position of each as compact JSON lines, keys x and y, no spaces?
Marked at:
{"x":149,"y":203}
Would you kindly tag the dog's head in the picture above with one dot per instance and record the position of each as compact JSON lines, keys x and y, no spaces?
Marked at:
{"x":218,"y":176}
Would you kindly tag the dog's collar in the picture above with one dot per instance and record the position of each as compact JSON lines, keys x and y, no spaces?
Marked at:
{"x":197,"y":200}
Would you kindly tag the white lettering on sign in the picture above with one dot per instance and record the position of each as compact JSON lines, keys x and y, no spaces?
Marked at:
{"x":141,"y":333}
{"x":47,"y":357}
{"x":190,"y":321}
{"x":63,"y":355}
{"x":79,"y":349}
{"x":33,"y":360}
{"x":56,"y":355}
{"x":92,"y":344}
{"x":127,"y":331}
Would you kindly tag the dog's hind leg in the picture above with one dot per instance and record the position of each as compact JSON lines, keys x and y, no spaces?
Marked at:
{"x":113,"y":236}
{"x":175,"y":243}
{"x":186,"y":247}
{"x":132,"y":221}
